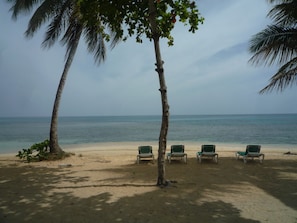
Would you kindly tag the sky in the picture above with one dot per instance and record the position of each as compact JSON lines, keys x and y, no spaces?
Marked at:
{"x":206,"y":73}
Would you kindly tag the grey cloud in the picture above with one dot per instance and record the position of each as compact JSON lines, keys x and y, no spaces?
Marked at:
{"x":206,"y":72}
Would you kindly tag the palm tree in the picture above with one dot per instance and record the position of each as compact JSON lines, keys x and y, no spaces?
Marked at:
{"x":64,"y":16}
{"x":278,"y":44}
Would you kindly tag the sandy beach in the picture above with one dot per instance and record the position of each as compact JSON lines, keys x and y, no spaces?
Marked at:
{"x":103,"y":183}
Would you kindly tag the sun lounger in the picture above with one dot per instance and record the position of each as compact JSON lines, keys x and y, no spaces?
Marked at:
{"x":252,"y":151}
{"x":177,"y":151}
{"x":207,"y":152}
{"x":145,"y":152}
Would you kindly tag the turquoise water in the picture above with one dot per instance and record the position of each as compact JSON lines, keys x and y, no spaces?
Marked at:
{"x":281,"y":129}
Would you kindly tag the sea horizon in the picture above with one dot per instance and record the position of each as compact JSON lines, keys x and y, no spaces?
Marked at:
{"x":135,"y":115}
{"x":17,"y":133}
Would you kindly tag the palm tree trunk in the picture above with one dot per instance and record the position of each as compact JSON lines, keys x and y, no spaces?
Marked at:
{"x":163,"y":90}
{"x":54,"y":144}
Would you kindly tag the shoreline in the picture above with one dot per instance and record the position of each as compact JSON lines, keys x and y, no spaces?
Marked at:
{"x":189,"y":146}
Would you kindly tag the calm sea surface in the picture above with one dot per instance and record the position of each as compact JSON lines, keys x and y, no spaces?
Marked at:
{"x":18,"y":133}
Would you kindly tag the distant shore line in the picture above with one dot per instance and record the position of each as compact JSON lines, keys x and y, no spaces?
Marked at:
{"x":189,"y":145}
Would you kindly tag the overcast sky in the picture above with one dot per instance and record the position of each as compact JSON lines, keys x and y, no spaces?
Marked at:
{"x":206,"y":72}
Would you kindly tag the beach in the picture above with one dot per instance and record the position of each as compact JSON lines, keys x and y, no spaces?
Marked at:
{"x":102,"y":182}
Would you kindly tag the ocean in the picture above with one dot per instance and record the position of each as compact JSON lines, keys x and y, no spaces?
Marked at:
{"x":273,"y":129}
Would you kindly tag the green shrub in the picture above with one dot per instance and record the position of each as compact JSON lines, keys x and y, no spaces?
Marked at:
{"x":37,"y":152}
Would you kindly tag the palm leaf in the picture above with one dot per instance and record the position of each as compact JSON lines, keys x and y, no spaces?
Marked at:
{"x":42,"y":14}
{"x":286,"y":76}
{"x":273,"y":44}
{"x":72,"y":36}
{"x":20,"y":6}
{"x":279,"y":1}
{"x":59,"y":22}
{"x":95,"y":43}
{"x":284,"y":14}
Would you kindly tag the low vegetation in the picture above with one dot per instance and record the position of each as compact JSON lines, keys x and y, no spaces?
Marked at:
{"x":39,"y":152}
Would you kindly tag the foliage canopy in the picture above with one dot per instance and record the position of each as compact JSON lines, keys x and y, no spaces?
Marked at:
{"x":129,"y":18}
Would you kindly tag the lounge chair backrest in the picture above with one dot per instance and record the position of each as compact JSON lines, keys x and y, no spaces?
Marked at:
{"x":145,"y":149}
{"x":177,"y":148}
{"x":208,"y":148}
{"x":253,"y":148}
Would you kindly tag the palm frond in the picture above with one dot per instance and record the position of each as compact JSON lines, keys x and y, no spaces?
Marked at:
{"x":116,"y":37}
{"x":279,"y":1}
{"x":273,"y":44}
{"x":72,"y":37}
{"x":65,"y":16}
{"x":94,"y":37}
{"x":41,"y":15}
{"x":286,"y":76}
{"x":60,"y":20}
{"x":285,"y":13}
{"x":22,"y":6}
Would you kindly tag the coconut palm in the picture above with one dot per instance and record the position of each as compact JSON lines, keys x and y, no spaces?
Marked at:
{"x":64,"y":16}
{"x":278,"y":44}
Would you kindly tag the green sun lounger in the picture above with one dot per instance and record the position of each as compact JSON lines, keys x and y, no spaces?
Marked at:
{"x":251,"y":152}
{"x":177,"y":151}
{"x":145,"y":152}
{"x":207,"y":152}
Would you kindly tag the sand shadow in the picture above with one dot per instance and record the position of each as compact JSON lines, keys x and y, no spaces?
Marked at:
{"x":29,"y":194}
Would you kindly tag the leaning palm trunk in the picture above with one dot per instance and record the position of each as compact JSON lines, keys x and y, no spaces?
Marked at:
{"x":54,"y":144}
{"x":163,"y":89}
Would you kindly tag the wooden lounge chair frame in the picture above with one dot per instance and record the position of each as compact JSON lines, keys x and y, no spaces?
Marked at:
{"x":207,"y":152}
{"x":145,"y":152}
{"x":251,"y":152}
{"x":177,"y":151}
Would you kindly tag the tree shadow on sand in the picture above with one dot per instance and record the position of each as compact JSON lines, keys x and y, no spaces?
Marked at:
{"x":30,"y":193}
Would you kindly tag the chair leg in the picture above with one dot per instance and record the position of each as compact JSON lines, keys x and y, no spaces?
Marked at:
{"x":261,"y":158}
{"x":216,"y":158}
